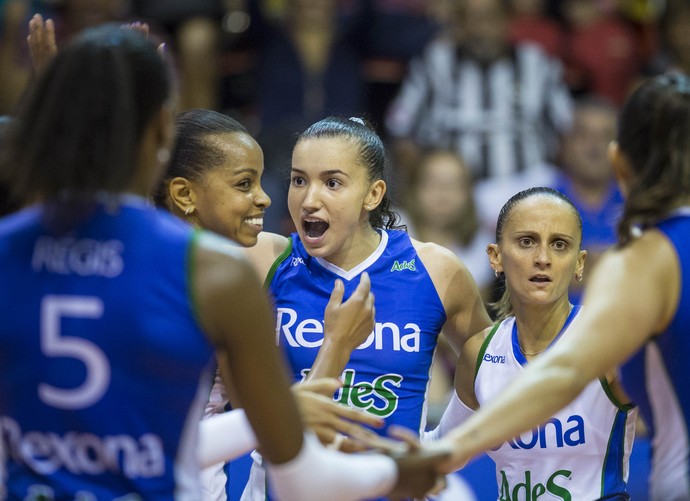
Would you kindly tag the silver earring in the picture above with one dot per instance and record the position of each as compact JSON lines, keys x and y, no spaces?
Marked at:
{"x":497,"y":274}
{"x":188,"y":211}
{"x":578,"y":278}
{"x":368,"y":207}
{"x":163,"y":155}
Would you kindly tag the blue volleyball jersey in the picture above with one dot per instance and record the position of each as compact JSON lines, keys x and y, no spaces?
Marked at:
{"x":658,"y":379}
{"x":101,"y":357}
{"x":388,"y":374}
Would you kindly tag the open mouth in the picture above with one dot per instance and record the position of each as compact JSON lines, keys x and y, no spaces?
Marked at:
{"x":540,"y":279}
{"x":314,"y":228}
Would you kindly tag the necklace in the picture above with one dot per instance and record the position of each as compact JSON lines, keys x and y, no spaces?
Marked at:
{"x":530,"y":354}
{"x":516,"y":340}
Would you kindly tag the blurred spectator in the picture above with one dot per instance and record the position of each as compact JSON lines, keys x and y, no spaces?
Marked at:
{"x":584,"y":175}
{"x":602,"y":51}
{"x":439,"y":207}
{"x":193,"y":28}
{"x":674,"y":32}
{"x":73,"y":16}
{"x":500,"y":106}
{"x":308,"y":59}
{"x":70,"y":16}
{"x":587,"y":179}
{"x":396,"y":31}
{"x":15,"y":65}
{"x":530,"y":22}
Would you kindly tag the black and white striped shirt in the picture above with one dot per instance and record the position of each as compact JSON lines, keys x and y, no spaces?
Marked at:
{"x":502,"y":118}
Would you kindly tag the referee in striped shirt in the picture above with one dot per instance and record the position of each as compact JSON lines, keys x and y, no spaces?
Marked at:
{"x":502,"y":106}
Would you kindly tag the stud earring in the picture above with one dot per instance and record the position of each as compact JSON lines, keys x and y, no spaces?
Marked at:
{"x":188,"y":211}
{"x":578,"y":278}
{"x":497,"y":273}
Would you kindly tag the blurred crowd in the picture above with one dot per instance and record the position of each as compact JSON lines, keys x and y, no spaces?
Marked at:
{"x":476,"y":99}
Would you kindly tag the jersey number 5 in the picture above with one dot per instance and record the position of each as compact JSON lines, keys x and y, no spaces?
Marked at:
{"x":55,"y":344}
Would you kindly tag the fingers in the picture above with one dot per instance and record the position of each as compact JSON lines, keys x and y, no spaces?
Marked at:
{"x":337,"y":294}
{"x":406,"y":436}
{"x":355,"y":416}
{"x":50,"y":34}
{"x":41,"y":41}
{"x":322,"y":386}
{"x":138,"y":26}
{"x":35,"y":38}
{"x":363,"y":290}
{"x":322,"y":410}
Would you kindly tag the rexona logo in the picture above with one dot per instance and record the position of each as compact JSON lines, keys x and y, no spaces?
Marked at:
{"x":83,"y":453}
{"x":405,"y":265}
{"x":494,"y":359}
{"x":553,"y":433}
{"x":377,"y":397}
{"x":308,"y":333}
{"x":525,"y":491}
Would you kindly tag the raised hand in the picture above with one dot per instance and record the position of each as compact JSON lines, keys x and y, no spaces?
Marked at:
{"x":336,"y":425}
{"x":346,"y":326}
{"x":41,"y":41}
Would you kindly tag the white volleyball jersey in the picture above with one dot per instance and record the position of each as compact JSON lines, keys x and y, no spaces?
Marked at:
{"x":581,"y":453}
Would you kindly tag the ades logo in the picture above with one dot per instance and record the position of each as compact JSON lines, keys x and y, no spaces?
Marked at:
{"x":405,"y":265}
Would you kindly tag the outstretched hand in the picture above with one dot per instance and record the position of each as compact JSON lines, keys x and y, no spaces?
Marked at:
{"x":41,"y":41}
{"x":336,"y":425}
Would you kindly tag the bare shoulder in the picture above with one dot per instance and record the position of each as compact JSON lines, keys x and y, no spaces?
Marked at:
{"x":445,"y":269}
{"x":458,"y":292}
{"x":466,"y":367}
{"x":213,"y":253}
{"x":649,"y":265}
{"x":437,"y":259}
{"x":221,"y":273}
{"x":267,"y":249}
{"x":472,"y":347}
{"x":648,"y":269}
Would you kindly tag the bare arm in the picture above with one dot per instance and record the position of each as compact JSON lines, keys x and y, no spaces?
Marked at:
{"x":633,"y":294}
{"x":234,"y":311}
{"x":465,"y":311}
{"x":267,"y":249}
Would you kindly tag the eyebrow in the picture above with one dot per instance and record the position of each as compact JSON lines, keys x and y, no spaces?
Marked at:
{"x":324,"y":173}
{"x":527,"y":233}
{"x":245,"y":170}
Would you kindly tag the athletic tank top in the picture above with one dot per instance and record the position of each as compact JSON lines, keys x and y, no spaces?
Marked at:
{"x":581,"y":453}
{"x":388,"y":375}
{"x":658,"y":379}
{"x":101,"y":356}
